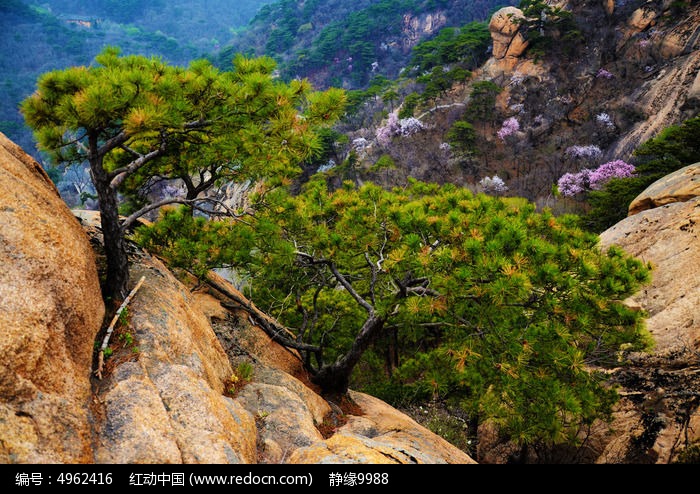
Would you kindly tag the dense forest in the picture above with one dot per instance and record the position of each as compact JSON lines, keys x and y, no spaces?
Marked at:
{"x":341,"y":44}
{"x":52,"y":34}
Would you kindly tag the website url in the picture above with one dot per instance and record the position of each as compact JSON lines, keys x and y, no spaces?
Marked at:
{"x":250,"y":479}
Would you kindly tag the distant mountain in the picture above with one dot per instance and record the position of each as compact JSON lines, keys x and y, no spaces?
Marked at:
{"x":51,"y":34}
{"x":345,"y":44}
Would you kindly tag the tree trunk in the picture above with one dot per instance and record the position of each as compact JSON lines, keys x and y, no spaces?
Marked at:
{"x":116,"y":284}
{"x":334,"y":379}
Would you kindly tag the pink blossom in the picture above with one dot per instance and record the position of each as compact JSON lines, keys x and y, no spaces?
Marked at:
{"x":610,"y":170}
{"x":395,"y":127}
{"x":571,"y":184}
{"x":510,"y":127}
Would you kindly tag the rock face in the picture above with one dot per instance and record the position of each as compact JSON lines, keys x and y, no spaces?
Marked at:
{"x":660,"y":409}
{"x":508,"y":41}
{"x":171,"y":391}
{"x":50,"y":313}
{"x":681,"y":185}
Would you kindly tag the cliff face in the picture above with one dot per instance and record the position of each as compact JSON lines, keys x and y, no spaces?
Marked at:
{"x":50,"y":313}
{"x":660,"y":405}
{"x":171,"y":390}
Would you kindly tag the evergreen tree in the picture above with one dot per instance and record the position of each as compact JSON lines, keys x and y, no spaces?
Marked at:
{"x":503,"y":309}
{"x":133,"y":118}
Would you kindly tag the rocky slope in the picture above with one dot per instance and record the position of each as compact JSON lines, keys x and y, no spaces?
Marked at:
{"x":634,"y":71}
{"x":171,"y":391}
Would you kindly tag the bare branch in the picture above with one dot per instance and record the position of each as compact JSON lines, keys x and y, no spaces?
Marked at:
{"x":110,"y":329}
{"x":341,"y":279}
{"x":112,"y":143}
{"x":120,"y":174}
{"x":274,"y":330}
{"x":130,"y":220}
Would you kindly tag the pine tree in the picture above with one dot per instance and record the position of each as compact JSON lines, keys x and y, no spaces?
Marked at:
{"x":503,"y":309}
{"x":133,"y":118}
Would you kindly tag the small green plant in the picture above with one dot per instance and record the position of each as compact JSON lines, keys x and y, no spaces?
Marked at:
{"x":240,"y":377}
{"x":124,"y":316}
{"x":245,"y":371}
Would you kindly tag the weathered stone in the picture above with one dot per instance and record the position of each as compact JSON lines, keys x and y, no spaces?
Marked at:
{"x":50,"y":312}
{"x":163,"y":397}
{"x":381,"y":435}
{"x":507,"y":41}
{"x":679,"y":186}
{"x":666,"y":237}
{"x":642,"y":18}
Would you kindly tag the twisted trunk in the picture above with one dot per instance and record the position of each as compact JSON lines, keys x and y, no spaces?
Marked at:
{"x":335,"y":378}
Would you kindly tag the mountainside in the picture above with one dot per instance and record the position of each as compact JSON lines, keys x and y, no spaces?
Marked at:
{"x":346,"y":44}
{"x":506,"y":107}
{"x":603,"y":79}
{"x":191,"y":379}
{"x":53,"y":34}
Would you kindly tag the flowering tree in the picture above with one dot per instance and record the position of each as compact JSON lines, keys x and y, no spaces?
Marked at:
{"x":397,"y":127}
{"x":609,"y":170}
{"x":571,"y":184}
{"x":510,"y":127}
{"x":493,"y":184}
{"x":590,"y":151}
{"x":605,"y":121}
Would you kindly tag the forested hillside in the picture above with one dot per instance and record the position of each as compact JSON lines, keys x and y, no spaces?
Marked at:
{"x":345,"y":44}
{"x":424,"y":227}
{"x":39,"y":36}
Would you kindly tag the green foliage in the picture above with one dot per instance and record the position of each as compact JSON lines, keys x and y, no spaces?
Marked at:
{"x":194,"y":243}
{"x":137,"y":120}
{"x":242,"y":375}
{"x":549,"y":29}
{"x":245,"y":370}
{"x":465,"y":46}
{"x":461,"y":136}
{"x":385,"y":162}
{"x":409,"y":105}
{"x":482,"y":102}
{"x":501,"y":309}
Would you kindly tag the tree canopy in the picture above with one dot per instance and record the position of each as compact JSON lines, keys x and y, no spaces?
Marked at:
{"x":482,"y":299}
{"x":136,"y":120}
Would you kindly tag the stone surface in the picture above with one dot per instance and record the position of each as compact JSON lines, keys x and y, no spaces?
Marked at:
{"x":380,"y":435}
{"x":659,"y":408}
{"x":507,"y":40}
{"x":50,"y":312}
{"x":679,"y":186}
{"x":162,"y":394}
{"x":667,"y":237}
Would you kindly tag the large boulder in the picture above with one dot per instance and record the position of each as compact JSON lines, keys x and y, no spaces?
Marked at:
{"x":658,"y":416}
{"x":504,"y":26}
{"x":679,"y":186}
{"x":50,"y":313}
